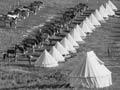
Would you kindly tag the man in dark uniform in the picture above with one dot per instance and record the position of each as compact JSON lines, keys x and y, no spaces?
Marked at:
{"x":109,"y":51}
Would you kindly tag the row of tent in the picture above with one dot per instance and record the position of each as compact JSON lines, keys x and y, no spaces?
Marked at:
{"x":91,"y":72}
{"x":71,"y":42}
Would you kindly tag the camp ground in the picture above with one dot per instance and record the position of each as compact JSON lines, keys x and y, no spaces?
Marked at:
{"x":59,"y":45}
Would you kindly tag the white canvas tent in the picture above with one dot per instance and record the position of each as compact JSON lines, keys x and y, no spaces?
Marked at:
{"x":72,"y":41}
{"x":76,"y":36}
{"x":98,"y":15}
{"x":109,"y":10}
{"x":61,"y":49}
{"x":80,"y":31}
{"x":66,"y":44}
{"x":112,"y":5}
{"x":56,"y":54}
{"x":106,"y":10}
{"x":93,"y":56}
{"x":46,"y":60}
{"x":94,"y":20}
{"x":102,"y":11}
{"x":91,"y":73}
{"x":105,"y":72}
{"x":85,"y":28}
{"x":91,"y":26}
{"x":112,"y":11}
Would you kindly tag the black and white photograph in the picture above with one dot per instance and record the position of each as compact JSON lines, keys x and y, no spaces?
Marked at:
{"x":59,"y":44}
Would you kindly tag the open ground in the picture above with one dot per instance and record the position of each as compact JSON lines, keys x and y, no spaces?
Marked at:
{"x":22,"y":77}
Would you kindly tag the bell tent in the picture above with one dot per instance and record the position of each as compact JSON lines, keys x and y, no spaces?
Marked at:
{"x":61,"y":49}
{"x":98,"y":15}
{"x":81,"y":33}
{"x":56,"y":54}
{"x":66,"y":44}
{"x":112,"y":5}
{"x":72,"y":41}
{"x":76,"y":36}
{"x":102,"y":11}
{"x":94,"y":20}
{"x":46,"y":60}
{"x":91,"y":73}
{"x":91,"y":26}
{"x":85,"y":28}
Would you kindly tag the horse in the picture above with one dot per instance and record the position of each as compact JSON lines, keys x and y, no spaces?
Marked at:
{"x":8,"y":20}
{"x":13,"y":22}
{"x":5,"y":55}
{"x":31,"y":41}
{"x":22,"y":12}
{"x":12,"y":14}
{"x":38,"y":4}
{"x":19,"y":47}
{"x":9,"y":52}
{"x":30,"y":9}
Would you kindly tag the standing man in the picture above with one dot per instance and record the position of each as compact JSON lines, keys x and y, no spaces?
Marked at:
{"x":109,"y":51}
{"x":29,"y":59}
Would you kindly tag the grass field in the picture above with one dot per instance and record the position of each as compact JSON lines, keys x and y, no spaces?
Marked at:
{"x":23,"y":77}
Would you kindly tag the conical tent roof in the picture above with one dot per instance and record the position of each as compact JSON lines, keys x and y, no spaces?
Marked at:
{"x":93,"y":56}
{"x":104,"y":71}
{"x":66,"y":44}
{"x":76,"y":36}
{"x":85,"y":27}
{"x":112,"y":5}
{"x":94,"y":20}
{"x":98,"y":61}
{"x":102,"y":11}
{"x":91,"y":74}
{"x":61,"y":49}
{"x":46,"y":60}
{"x":111,"y":12}
{"x":84,"y":67}
{"x":92,"y":27}
{"x":56,"y":54}
{"x":72,"y":41}
{"x":107,"y":9}
{"x":98,"y":15}
{"x":79,"y":30}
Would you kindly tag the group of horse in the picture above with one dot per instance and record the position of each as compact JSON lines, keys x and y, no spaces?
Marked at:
{"x":42,"y":36}
{"x":21,"y":12}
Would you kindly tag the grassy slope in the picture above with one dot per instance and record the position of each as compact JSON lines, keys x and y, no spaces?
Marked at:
{"x":10,"y":36}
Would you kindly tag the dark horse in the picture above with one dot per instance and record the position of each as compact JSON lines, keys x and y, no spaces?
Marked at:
{"x":13,"y":51}
{"x":9,"y":52}
{"x":20,"y":48}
